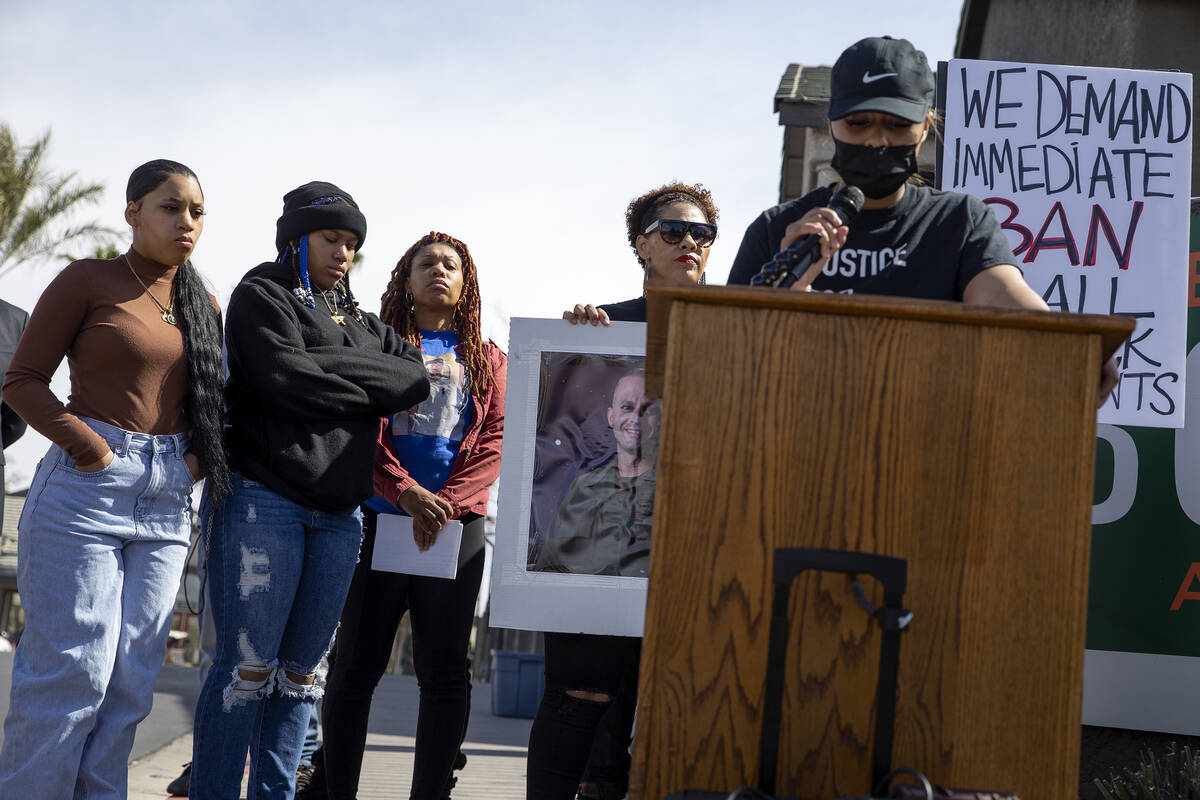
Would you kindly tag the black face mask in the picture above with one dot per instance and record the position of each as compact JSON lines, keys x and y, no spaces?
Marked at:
{"x":878,"y":171}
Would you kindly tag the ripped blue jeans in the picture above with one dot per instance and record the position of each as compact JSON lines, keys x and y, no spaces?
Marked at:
{"x":278,"y":575}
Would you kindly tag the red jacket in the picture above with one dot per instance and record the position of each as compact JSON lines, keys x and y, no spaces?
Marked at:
{"x":477,"y":464}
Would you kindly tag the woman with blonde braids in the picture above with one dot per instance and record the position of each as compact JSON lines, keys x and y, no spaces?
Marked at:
{"x":434,"y":463}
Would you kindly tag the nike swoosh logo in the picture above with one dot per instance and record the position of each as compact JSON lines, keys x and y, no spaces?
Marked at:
{"x":869,"y":78}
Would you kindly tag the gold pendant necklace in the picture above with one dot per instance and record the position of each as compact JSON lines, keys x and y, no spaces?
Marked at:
{"x":333,"y":314}
{"x":167,"y":316}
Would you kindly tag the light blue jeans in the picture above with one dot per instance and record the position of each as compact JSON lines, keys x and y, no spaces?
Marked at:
{"x":278,"y":573}
{"x":98,"y":563}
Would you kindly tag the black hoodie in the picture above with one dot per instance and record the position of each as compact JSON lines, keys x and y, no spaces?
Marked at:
{"x":305,"y":394}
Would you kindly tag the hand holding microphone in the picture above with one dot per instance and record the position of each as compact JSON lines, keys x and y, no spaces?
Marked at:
{"x":809,"y":243}
{"x":820,"y":232}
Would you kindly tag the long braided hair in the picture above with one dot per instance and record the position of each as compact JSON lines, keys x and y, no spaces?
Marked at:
{"x":396,"y":307}
{"x":201,"y":327}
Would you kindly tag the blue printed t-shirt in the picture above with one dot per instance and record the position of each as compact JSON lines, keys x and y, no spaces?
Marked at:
{"x":427,"y":436}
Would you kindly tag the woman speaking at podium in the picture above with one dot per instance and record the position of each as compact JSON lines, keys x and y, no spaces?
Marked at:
{"x":909,"y":240}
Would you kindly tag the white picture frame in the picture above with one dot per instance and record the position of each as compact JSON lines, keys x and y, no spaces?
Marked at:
{"x":531,"y":599}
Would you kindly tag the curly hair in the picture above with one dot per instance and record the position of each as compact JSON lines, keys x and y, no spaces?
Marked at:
{"x":642,"y":210}
{"x":201,"y":327}
{"x":396,"y":307}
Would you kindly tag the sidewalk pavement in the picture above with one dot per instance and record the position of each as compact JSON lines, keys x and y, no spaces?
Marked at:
{"x":492,"y":771}
{"x":495,"y":749}
{"x":495,"y":746}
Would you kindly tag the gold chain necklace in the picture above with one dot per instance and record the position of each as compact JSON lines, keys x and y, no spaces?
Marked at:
{"x":167,"y":316}
{"x":333,"y":314}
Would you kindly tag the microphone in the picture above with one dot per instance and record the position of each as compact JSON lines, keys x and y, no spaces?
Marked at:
{"x":788,"y":266}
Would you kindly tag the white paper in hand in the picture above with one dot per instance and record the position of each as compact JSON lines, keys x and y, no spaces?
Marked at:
{"x":396,"y":550}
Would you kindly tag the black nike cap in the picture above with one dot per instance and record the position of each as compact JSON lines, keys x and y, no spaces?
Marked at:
{"x":881,"y":74}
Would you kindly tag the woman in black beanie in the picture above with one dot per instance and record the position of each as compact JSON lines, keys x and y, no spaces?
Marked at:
{"x":310,"y":375}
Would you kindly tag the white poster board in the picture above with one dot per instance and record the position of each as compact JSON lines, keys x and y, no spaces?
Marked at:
{"x":558,"y":436}
{"x":1089,"y":171}
{"x":396,"y":550}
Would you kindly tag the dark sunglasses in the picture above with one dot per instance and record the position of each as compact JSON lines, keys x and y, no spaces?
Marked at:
{"x":672,"y":231}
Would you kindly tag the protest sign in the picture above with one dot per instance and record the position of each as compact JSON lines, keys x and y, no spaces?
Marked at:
{"x":1088,"y":171}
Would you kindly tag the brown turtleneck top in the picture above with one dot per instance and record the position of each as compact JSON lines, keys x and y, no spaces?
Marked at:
{"x":128,"y":367}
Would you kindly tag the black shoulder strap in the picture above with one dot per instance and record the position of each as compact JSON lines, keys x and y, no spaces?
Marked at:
{"x":893,"y":574}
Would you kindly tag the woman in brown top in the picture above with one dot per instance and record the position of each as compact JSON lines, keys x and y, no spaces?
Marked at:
{"x":106,"y":524}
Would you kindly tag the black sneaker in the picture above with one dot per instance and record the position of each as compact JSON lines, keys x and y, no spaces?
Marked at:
{"x":460,"y":761}
{"x":312,"y":786}
{"x":304,"y":774}
{"x":180,"y":786}
{"x":600,"y":790}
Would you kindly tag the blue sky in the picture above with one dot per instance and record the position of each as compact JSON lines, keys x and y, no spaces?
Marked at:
{"x":522,"y":128}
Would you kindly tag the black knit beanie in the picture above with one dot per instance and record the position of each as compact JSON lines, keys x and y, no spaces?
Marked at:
{"x":318,"y":206}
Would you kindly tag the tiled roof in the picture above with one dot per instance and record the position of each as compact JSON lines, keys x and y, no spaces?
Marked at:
{"x":801,"y":84}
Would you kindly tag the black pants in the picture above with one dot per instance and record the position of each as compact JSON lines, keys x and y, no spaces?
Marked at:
{"x":573,"y":738}
{"x":442,"y":612}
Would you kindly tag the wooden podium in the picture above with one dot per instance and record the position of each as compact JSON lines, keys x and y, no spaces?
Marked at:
{"x":959,"y":438}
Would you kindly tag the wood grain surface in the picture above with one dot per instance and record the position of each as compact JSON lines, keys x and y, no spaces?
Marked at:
{"x":660,"y":296}
{"x":966,"y":448}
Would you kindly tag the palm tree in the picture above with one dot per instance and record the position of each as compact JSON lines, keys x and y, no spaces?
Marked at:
{"x":35,"y":204}
{"x":101,"y":251}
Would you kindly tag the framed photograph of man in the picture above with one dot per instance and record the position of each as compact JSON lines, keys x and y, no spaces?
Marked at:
{"x":576,"y":480}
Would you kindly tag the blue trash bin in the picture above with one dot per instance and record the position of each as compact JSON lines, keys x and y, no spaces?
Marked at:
{"x":518,"y":680}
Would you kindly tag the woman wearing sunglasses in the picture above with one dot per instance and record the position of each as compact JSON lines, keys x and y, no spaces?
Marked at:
{"x":579,"y":743}
{"x":670,"y":230}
